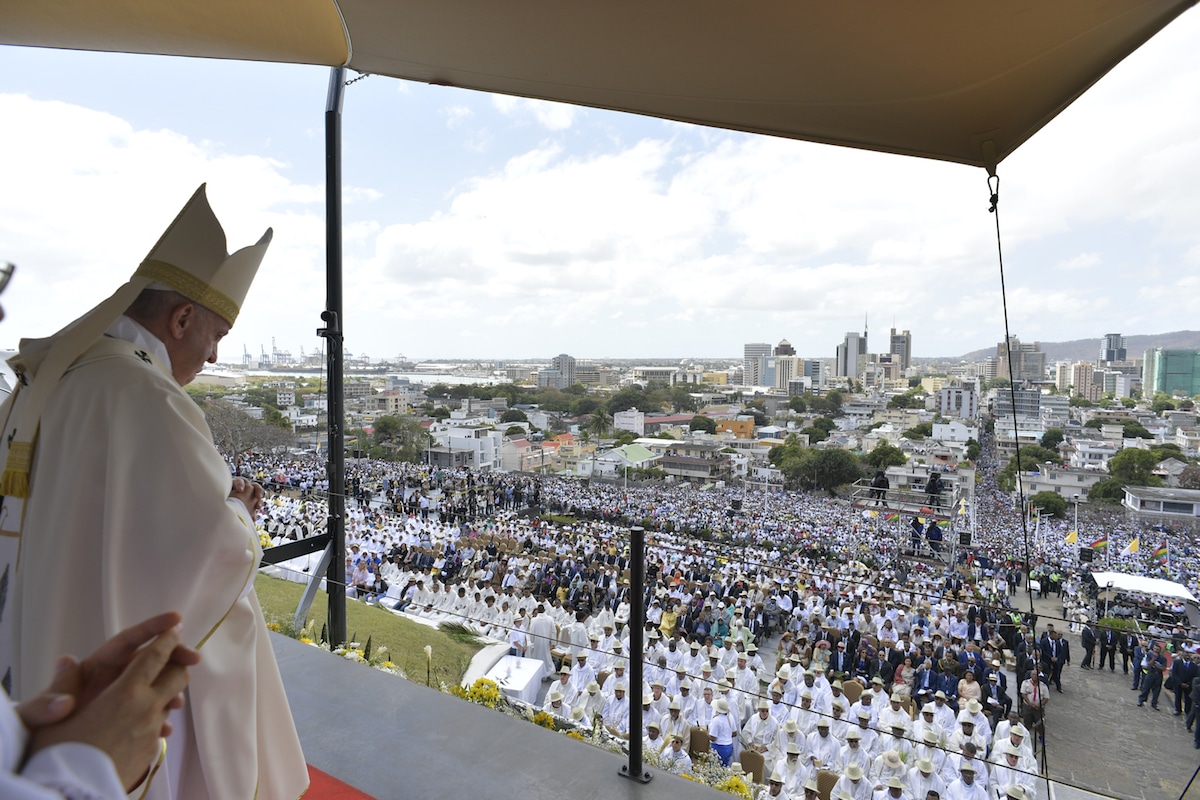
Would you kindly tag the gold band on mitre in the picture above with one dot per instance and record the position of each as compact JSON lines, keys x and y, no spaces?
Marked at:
{"x":190,"y":287}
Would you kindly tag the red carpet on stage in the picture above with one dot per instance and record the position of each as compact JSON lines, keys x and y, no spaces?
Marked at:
{"x":324,"y":787}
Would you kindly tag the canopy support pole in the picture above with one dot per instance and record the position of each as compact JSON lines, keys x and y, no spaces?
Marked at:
{"x":332,"y":332}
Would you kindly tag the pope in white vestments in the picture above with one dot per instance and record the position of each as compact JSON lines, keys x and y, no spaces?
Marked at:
{"x":128,"y":512}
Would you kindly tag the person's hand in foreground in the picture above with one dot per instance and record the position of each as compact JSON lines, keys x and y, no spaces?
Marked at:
{"x":117,"y":699}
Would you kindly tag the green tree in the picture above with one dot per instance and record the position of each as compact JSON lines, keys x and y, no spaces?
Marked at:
{"x":919,"y":431}
{"x":974,"y":449}
{"x":996,"y":383}
{"x":552,"y":399}
{"x":1079,"y":402}
{"x":885,"y":455}
{"x":585,"y":405}
{"x":906,"y":400}
{"x":624,"y":437}
{"x":1162,"y":402}
{"x":398,"y":438}
{"x":600,"y":424}
{"x":700,"y":423}
{"x":515,"y":430}
{"x":1052,"y":438}
{"x":761,"y":419}
{"x":829,"y":469}
{"x":1133,"y":466}
{"x":1128,"y":402}
{"x":514,"y":415}
{"x":682,"y":400}
{"x":627,"y":398}
{"x":1051,"y":503}
{"x":1135,"y":430}
{"x":1109,"y":490}
{"x":796,"y":403}
{"x":815,"y":434}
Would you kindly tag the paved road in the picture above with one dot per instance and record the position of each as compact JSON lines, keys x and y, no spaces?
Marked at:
{"x":1098,"y":737}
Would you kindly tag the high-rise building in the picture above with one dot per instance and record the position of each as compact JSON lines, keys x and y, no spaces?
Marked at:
{"x":751,"y":353}
{"x":786,"y":368}
{"x":560,"y":375}
{"x":1171,"y":371}
{"x":1083,"y":381}
{"x":1028,"y":360}
{"x":901,"y":345}
{"x":784,"y":348}
{"x":1112,"y":347}
{"x":851,"y":355}
{"x":815,"y":370}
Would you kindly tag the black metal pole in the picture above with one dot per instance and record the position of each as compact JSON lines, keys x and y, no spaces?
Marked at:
{"x":332,"y":316}
{"x":637,"y":652}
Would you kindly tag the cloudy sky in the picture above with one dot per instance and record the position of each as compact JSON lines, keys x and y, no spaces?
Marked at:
{"x":481,"y":226}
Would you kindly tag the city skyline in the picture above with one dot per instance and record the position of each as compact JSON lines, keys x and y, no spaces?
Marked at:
{"x":480,"y":224}
{"x":900,"y":342}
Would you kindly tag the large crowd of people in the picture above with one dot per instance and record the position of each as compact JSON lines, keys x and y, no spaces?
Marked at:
{"x":791,"y":628}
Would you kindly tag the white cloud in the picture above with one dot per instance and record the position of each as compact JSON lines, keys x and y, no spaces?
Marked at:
{"x":91,"y":194}
{"x":1080,"y":262}
{"x":550,"y":115}
{"x":625,"y":237}
{"x":456,"y":115}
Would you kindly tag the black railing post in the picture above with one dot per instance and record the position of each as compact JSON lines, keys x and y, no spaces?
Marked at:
{"x":637,"y":652}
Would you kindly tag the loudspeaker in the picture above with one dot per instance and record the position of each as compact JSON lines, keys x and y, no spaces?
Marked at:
{"x":1085,"y":554}
{"x":964,"y":539}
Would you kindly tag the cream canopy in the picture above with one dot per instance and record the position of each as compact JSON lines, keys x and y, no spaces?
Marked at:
{"x":944,"y":79}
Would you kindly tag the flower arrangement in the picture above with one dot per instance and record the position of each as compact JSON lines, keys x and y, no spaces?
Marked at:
{"x":545,"y":720}
{"x":483,"y":691}
{"x":734,"y":785}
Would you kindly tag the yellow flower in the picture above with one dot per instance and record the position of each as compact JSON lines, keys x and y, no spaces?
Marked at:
{"x":273,"y":626}
{"x":734,"y":785}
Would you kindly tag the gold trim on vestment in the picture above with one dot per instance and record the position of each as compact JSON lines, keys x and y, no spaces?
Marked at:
{"x":191,"y":287}
{"x":253,"y":567}
{"x":162,"y":756}
{"x":11,"y":534}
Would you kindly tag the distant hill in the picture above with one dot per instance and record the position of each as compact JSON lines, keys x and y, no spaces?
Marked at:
{"x":1088,"y":349}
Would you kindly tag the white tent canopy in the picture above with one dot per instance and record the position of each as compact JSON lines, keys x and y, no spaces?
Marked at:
{"x":1137,"y":583}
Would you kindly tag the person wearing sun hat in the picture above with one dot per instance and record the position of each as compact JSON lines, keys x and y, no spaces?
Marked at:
{"x":853,"y":783}
{"x":923,"y":778}
{"x":158,"y":524}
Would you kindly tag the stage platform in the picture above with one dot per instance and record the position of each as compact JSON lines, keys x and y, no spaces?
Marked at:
{"x":392,"y":738}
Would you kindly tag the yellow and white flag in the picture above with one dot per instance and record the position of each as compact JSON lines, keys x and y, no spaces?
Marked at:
{"x":1072,"y":538}
{"x":1130,"y":548}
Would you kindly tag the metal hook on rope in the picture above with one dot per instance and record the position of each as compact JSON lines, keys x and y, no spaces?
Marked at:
{"x":994,"y":188}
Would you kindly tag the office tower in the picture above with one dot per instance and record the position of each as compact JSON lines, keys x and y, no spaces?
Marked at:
{"x":751,"y":353}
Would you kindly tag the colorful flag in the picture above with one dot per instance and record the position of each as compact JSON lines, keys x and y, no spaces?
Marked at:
{"x":1072,"y":538}
{"x":1100,"y":544}
{"x":1161,"y":552}
{"x":1130,"y":548}
{"x":891,"y":517}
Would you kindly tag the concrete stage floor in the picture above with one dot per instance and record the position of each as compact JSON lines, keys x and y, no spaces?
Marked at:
{"x":392,"y":738}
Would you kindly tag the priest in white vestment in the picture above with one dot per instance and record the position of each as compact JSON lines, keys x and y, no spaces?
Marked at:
{"x":123,"y":508}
